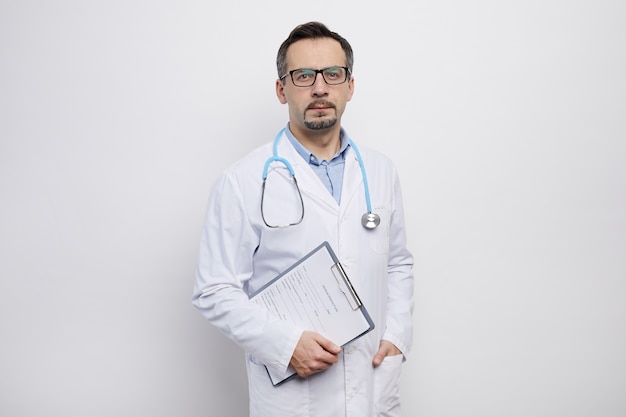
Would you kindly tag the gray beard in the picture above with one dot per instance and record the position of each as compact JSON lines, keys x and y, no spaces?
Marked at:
{"x":320,"y":124}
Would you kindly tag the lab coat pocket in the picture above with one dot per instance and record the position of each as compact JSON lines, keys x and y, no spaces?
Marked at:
{"x":386,"y":387}
{"x":289,"y":399}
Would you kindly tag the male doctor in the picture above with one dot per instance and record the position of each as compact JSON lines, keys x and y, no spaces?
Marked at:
{"x":251,"y":234}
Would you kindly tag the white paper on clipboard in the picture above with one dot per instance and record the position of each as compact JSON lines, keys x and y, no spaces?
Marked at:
{"x":316,"y":294}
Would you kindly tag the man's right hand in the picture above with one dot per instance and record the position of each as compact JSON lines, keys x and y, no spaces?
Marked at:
{"x":313,"y":354}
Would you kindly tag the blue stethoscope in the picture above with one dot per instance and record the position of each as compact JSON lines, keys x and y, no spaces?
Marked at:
{"x":369,"y":220}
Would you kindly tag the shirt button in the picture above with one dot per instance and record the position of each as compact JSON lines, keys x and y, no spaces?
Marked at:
{"x":350,"y":349}
{"x":351,"y":393}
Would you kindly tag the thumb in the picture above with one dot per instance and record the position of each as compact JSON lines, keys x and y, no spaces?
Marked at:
{"x":378,"y":359}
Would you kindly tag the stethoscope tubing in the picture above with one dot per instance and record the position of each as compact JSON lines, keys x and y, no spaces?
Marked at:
{"x":370,"y":220}
{"x":366,"y":186}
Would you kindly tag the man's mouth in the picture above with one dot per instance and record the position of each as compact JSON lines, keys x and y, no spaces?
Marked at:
{"x":320,"y":105}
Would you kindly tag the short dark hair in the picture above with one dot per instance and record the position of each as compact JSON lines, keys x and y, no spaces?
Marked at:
{"x":311,"y":30}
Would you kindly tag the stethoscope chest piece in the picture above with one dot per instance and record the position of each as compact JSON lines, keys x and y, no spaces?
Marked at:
{"x":370,"y":220}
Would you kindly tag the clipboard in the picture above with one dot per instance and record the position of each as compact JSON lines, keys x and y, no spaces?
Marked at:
{"x":316,"y":294}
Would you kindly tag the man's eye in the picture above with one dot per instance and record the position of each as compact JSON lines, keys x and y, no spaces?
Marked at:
{"x":304,"y":75}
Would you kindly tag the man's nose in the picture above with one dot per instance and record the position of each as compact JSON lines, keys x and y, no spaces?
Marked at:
{"x":320,"y":88}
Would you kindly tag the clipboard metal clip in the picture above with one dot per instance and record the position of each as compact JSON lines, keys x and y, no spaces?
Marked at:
{"x":346,"y":286}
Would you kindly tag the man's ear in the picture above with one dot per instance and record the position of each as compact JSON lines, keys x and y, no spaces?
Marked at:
{"x":351,"y":88}
{"x":280,"y":92}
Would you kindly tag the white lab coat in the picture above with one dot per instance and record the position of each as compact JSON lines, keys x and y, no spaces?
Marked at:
{"x":239,"y":254}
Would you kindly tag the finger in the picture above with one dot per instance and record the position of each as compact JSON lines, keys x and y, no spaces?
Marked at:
{"x":326,"y":357}
{"x":328,"y":345}
{"x":317,"y":365}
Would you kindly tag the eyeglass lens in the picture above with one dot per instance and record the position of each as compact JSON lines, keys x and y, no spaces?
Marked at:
{"x":306,"y":77}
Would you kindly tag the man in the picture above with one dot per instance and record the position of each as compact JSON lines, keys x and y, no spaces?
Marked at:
{"x":252,"y":233}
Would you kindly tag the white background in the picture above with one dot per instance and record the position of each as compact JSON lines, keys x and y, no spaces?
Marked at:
{"x":507,"y":121}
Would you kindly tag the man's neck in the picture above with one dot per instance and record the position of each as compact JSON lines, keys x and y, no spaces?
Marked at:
{"x":324,"y":144}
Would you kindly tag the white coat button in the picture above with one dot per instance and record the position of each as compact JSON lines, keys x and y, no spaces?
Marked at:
{"x":350,"y":349}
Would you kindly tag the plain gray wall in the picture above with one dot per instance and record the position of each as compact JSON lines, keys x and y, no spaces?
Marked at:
{"x":507,"y":121}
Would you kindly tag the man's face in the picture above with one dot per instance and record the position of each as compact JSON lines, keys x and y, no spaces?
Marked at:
{"x":320,"y":106}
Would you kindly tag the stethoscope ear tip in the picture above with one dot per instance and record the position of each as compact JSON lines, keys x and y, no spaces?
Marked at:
{"x":370,"y":220}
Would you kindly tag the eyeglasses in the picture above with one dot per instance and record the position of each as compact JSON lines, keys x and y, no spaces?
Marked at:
{"x":305,"y":77}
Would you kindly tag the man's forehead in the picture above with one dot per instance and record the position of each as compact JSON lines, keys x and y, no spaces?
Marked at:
{"x":315,"y":52}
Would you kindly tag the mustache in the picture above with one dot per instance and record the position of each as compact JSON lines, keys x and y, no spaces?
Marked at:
{"x":320,"y":103}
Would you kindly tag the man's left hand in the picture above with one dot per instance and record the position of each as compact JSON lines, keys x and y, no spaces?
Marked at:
{"x":385,"y":349}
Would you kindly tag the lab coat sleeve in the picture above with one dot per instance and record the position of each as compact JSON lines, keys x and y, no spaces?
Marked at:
{"x":225,"y":263}
{"x":399,"y":326}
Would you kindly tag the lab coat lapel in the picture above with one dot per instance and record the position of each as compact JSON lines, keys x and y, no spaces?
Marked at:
{"x":352,"y":181}
{"x":308,"y":181}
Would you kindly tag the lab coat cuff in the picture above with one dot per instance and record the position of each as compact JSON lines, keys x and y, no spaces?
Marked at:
{"x":281,"y":365}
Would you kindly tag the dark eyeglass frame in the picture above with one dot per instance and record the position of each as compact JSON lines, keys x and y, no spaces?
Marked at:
{"x":319,"y":71}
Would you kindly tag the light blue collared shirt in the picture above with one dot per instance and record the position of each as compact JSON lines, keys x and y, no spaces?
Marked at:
{"x":329,"y":172}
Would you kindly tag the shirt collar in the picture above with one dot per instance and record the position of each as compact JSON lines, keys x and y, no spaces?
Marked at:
{"x":308,"y":156}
